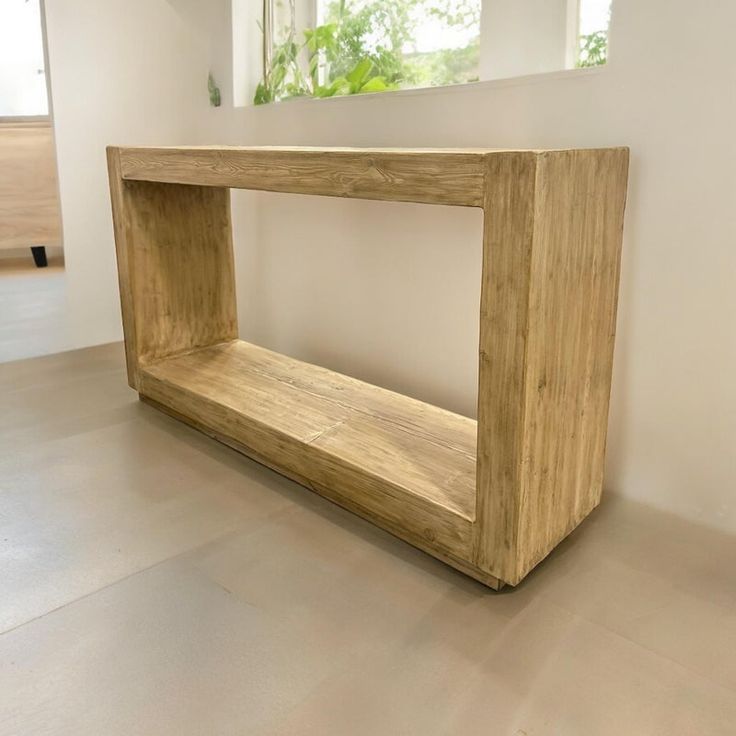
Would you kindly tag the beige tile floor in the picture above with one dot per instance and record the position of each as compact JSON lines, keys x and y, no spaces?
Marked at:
{"x":155,"y":582}
{"x":33,"y":309}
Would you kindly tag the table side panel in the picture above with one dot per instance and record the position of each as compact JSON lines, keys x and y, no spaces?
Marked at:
{"x":175,"y":265}
{"x":571,"y":329}
{"x":508,"y":230}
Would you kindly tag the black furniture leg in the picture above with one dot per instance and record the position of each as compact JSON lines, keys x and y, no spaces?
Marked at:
{"x":39,"y":256}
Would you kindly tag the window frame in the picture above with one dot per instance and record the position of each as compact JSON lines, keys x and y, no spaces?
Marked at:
{"x":314,"y":16}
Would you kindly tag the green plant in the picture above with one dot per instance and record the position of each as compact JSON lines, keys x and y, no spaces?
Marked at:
{"x":361,"y":49}
{"x":283,"y":78}
{"x":214,"y":92}
{"x":592,"y":49}
{"x":443,"y":67}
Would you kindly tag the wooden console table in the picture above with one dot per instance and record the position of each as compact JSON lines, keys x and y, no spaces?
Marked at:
{"x":490,"y":498}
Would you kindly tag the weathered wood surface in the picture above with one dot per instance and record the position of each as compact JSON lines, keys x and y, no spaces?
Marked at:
{"x":386,"y":522}
{"x":175,"y":267}
{"x":436,"y":177}
{"x":552,"y":242}
{"x":508,"y":231}
{"x":396,"y":457}
{"x":570,"y":335}
{"x":551,"y":250}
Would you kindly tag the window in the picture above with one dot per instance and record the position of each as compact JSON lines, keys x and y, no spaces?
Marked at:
{"x":327,"y":48}
{"x":22,"y":67}
{"x":358,"y":46}
{"x":593,"y":19}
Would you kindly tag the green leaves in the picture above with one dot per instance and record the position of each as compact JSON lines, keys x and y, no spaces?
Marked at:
{"x":321,"y":37}
{"x":263,"y":95}
{"x":357,"y":81}
{"x":361,"y":79}
{"x":376,"y":84}
{"x":358,"y":75}
{"x":214,"y":91}
{"x":284,"y":79}
{"x":337,"y":87}
{"x":321,"y":45}
{"x":368,"y":47}
{"x":592,"y":49}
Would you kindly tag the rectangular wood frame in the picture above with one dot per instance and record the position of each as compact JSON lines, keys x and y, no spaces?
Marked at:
{"x":491,"y":498}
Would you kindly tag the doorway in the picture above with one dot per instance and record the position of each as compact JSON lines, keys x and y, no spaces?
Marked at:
{"x":32,"y":285}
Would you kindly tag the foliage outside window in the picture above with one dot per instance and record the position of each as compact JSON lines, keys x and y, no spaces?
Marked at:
{"x":594,"y":18}
{"x":369,"y":46}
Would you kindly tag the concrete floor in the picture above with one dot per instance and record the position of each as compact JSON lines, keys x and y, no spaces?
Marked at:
{"x":154,"y":582}
{"x":33,"y":312}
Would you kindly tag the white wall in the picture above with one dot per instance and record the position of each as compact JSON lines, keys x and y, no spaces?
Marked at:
{"x":389,"y":292}
{"x":247,"y":46}
{"x":521,"y":37}
{"x":122,"y":72}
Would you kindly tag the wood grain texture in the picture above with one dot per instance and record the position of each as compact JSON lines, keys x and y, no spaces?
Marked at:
{"x":508,"y":229}
{"x":396,"y":528}
{"x":435,"y":177}
{"x":29,"y":198}
{"x":397,"y":458}
{"x":574,"y":275}
{"x":125,"y":262}
{"x":552,"y":238}
{"x":175,"y":262}
{"x":553,"y":230}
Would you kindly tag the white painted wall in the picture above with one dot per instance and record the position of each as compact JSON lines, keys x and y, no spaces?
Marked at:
{"x":247,"y":47}
{"x":122,"y":72}
{"x":389,"y":292}
{"x":520,"y":37}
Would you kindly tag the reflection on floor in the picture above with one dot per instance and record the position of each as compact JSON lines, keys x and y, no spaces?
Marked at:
{"x":32,"y":308}
{"x":153,"y":581}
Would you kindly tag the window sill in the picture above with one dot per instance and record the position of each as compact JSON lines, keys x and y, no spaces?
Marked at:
{"x":468,"y":87}
{"x":25,"y":120}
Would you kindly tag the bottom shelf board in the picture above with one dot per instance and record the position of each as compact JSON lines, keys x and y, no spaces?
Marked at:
{"x":395,"y":457}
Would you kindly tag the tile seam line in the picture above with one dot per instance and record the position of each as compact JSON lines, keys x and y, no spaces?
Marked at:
{"x":645,"y":647}
{"x":171,"y":558}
